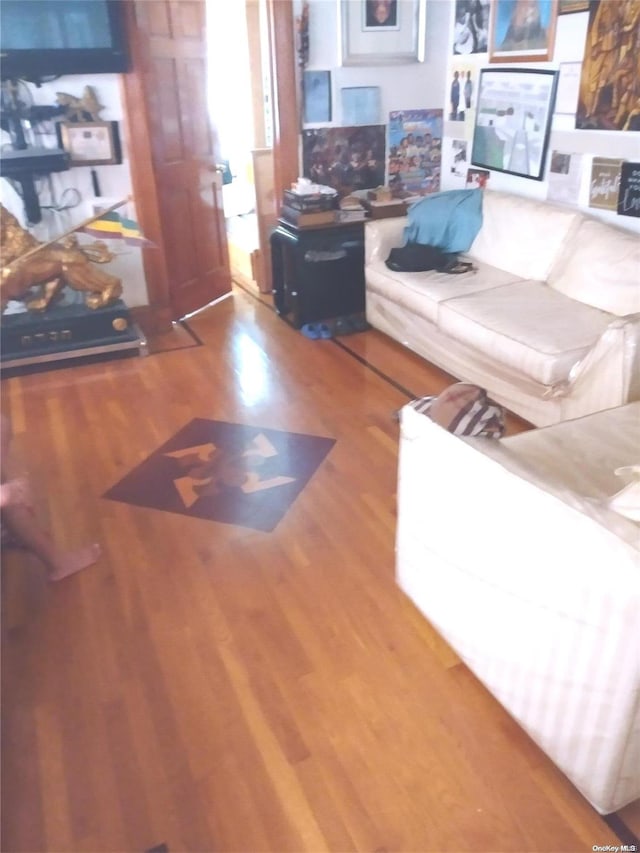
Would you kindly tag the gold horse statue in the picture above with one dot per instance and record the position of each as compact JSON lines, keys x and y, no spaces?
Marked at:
{"x":64,"y":262}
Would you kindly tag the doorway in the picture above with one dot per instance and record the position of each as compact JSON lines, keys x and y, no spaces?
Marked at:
{"x":232,"y":104}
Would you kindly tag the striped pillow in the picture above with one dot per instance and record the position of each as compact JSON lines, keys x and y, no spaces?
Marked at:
{"x":464,"y":409}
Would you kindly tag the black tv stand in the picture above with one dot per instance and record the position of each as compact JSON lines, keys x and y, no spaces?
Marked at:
{"x":24,"y":165}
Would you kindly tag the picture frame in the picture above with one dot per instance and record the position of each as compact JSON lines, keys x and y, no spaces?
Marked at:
{"x":317,"y":96}
{"x":570,"y":7}
{"x":395,"y":40}
{"x":90,"y":143}
{"x":516,"y":38}
{"x":360,"y":105}
{"x":513,"y":120}
{"x":608,"y":78}
{"x":348,"y":159}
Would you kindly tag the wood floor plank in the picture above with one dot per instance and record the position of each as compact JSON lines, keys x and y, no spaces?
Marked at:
{"x":213,"y":687}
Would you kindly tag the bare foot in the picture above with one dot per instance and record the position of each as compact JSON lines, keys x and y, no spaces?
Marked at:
{"x":74,"y":561}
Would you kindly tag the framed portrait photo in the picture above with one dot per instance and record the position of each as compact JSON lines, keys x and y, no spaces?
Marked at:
{"x":380,"y":15}
{"x":523,"y":30}
{"x":91,"y":143}
{"x":513,"y":120}
{"x":382,"y":32}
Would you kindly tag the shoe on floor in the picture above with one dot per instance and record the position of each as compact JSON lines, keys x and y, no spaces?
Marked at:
{"x":310,"y":330}
{"x":315,"y":331}
{"x":350,"y":325}
{"x":342,"y":326}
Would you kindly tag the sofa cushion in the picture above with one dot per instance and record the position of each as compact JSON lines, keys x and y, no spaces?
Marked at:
{"x":554,"y":458}
{"x":601,"y":267}
{"x":421,"y":292}
{"x":521,"y":235}
{"x":526,"y":326}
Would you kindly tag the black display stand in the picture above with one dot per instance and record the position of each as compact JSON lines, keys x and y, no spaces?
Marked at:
{"x":66,"y":331}
{"x":318,"y":272}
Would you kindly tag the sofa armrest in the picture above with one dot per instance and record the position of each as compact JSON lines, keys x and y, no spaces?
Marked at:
{"x":382,"y":235}
{"x":612,"y":362}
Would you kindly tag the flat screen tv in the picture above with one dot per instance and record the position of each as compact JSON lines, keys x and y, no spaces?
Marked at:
{"x":44,"y":39}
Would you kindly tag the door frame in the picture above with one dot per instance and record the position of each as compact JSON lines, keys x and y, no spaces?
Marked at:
{"x":280,"y":26}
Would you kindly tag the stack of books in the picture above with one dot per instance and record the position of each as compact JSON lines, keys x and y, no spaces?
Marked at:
{"x":303,"y":217}
{"x":308,"y":208}
{"x":351,"y":209}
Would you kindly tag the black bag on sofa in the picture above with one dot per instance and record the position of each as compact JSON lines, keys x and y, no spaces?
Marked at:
{"x":416,"y":257}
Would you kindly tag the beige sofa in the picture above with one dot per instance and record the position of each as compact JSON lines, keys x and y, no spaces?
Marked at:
{"x":511,"y":549}
{"x":548,"y":323}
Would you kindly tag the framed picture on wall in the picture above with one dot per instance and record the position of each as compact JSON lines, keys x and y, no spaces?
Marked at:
{"x":608,"y":97}
{"x":382,"y":32}
{"x":360,"y":105}
{"x":513,"y":120}
{"x":317,"y":96}
{"x":523,"y":30}
{"x":90,"y":143}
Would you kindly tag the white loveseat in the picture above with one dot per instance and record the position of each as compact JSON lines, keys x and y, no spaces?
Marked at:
{"x":511,"y":551}
{"x":549,"y":323}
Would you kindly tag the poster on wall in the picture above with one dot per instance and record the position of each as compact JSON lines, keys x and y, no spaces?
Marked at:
{"x":629,"y":195}
{"x":471,"y":28}
{"x":568,"y":87}
{"x":522,"y":30}
{"x":345,"y":158}
{"x":605,"y":183}
{"x":608,"y":97}
{"x":565,"y":172}
{"x":477,"y":179}
{"x":415,"y":150}
{"x":462,"y":91}
{"x":458,"y":159}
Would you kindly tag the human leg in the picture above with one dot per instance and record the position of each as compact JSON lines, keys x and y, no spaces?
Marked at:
{"x":20,"y":521}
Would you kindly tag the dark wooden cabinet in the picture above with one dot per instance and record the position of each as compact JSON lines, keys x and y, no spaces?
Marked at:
{"x":318,"y":273}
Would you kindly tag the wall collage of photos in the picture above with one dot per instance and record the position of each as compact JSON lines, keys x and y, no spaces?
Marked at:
{"x":503,"y":90}
{"x":505,"y":105}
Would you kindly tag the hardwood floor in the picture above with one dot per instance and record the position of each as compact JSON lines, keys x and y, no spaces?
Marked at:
{"x":216,"y":688}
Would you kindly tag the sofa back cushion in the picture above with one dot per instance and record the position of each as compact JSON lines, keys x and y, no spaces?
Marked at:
{"x":522,"y":235}
{"x":601,"y":267}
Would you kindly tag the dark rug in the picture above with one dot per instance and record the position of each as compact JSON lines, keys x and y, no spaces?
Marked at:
{"x":225,"y":472}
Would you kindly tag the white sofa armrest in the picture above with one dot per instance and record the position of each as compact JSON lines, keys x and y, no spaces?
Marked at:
{"x":382,"y":235}
{"x":611,"y":363}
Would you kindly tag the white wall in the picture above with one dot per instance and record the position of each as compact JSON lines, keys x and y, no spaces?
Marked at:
{"x":413,"y":86}
{"x":426,"y":86}
{"x":58,"y":188}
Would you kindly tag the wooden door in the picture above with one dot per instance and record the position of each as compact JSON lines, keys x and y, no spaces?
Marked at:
{"x":182,"y":191}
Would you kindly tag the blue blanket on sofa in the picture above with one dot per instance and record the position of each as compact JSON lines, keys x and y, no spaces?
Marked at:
{"x":448,"y":220}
